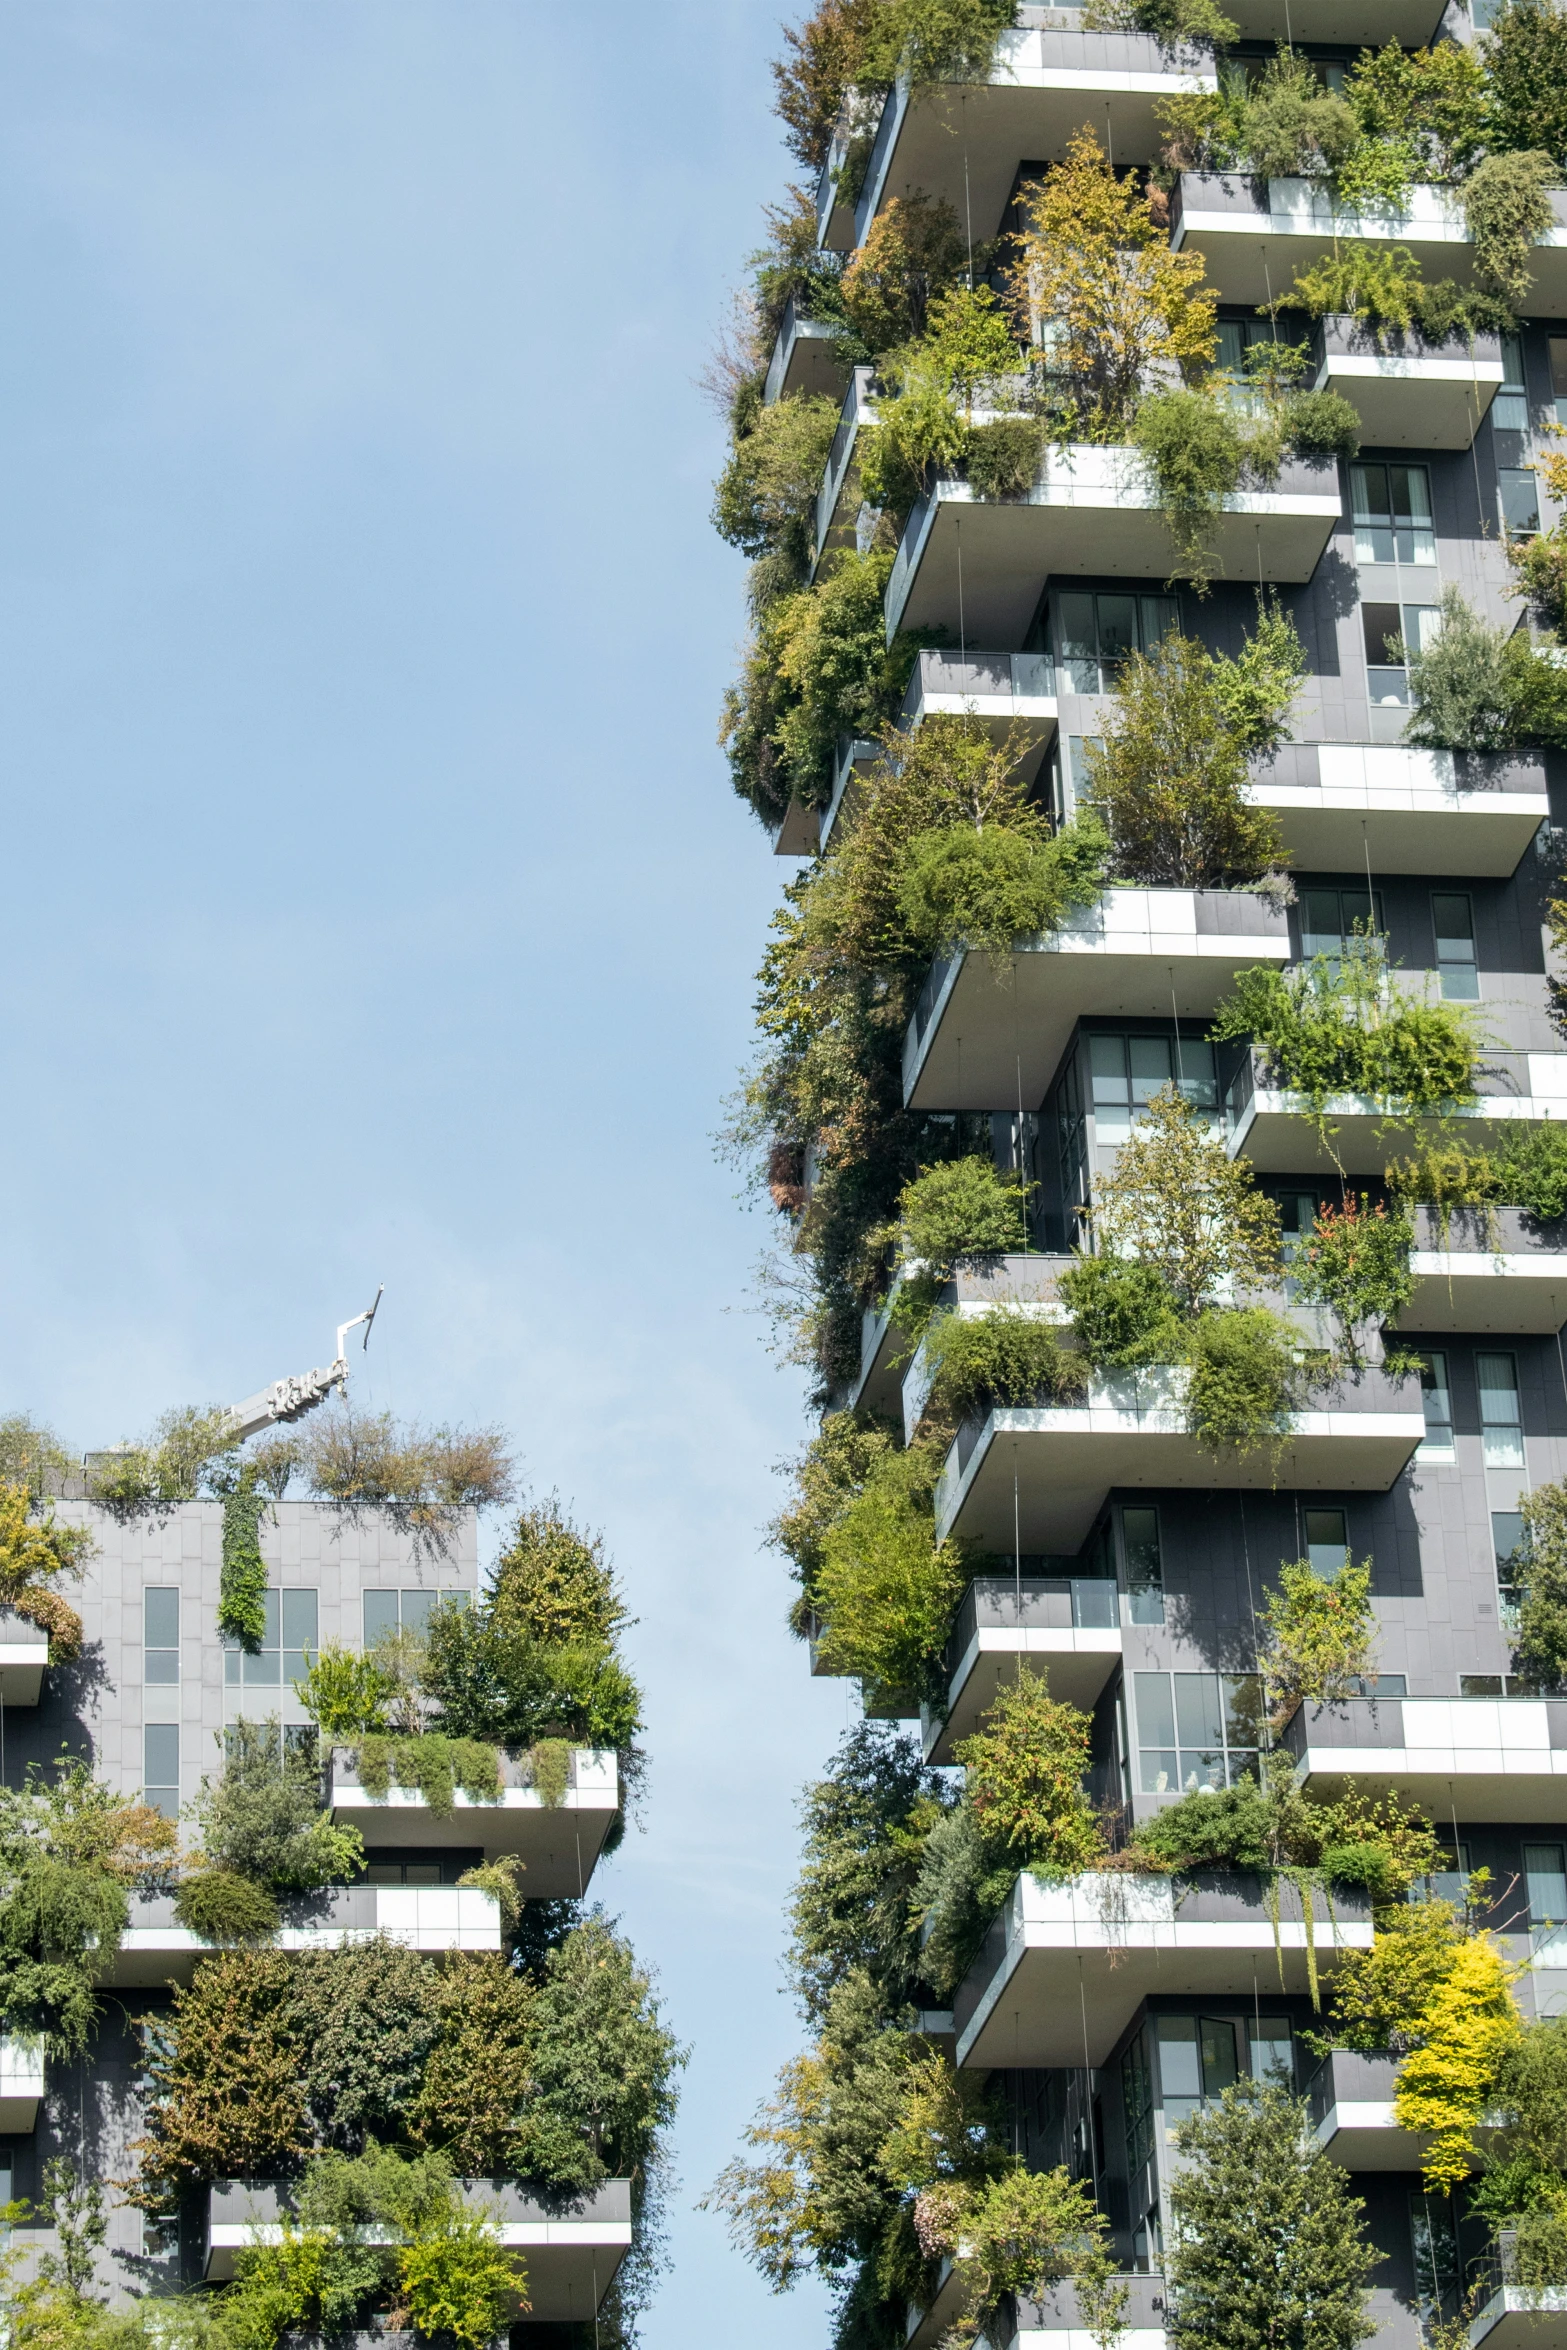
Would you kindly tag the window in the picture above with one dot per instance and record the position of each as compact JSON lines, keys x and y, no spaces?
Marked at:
{"x":1329,"y":916}
{"x":1558,"y":350}
{"x":1127,"y":1071}
{"x":1518,"y":495}
{"x":408,"y":1611}
{"x":160,"y":1633}
{"x":1327,"y":1542}
{"x":1434,"y":2238}
{"x":1197,"y":2061}
{"x":1545,"y":1876}
{"x":1507,"y":1543}
{"x":288,"y":1644}
{"x":160,"y":1770}
{"x":1510,"y":408}
{"x":1137,"y":2105}
{"x":1437,"y":1396}
{"x":1195,"y":1730}
{"x":1392,"y":508}
{"x":1501,"y":1424}
{"x":418,"y":1868}
{"x":1451,"y":1883}
{"x":1097,"y":633}
{"x":1452,"y":922}
{"x":1394,"y":633}
{"x":1273,"y":2050}
{"x":1144,"y":1565}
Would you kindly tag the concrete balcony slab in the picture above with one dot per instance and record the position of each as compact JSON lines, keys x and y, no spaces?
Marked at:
{"x":1409,"y":811}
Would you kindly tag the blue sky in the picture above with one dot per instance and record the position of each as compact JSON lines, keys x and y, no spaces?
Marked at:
{"x":376,"y":907}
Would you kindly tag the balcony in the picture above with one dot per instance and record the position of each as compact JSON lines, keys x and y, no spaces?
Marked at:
{"x":1123,"y":1939}
{"x":1496,"y":1758}
{"x":1092,"y":510}
{"x":156,"y":1948}
{"x":1059,"y":2320}
{"x":1273,"y":1128}
{"x":1048,"y":80}
{"x":1414,"y":394}
{"x":24,"y":1652}
{"x":1003,"y":691}
{"x":1068,"y":1628}
{"x":570,"y":2246}
{"x":1510,"y":1278}
{"x":21,"y":2086}
{"x":558,"y":1846}
{"x":1522,"y":2317}
{"x":1255,"y":238}
{"x":1038,"y":1475}
{"x":802,"y":360}
{"x":1408,"y":811}
{"x":982,"y":1037}
{"x":837,"y":501}
{"x":797,"y":832}
{"x":927,"y":2328}
{"x":1350,"y":2100}
{"x":855,"y":760}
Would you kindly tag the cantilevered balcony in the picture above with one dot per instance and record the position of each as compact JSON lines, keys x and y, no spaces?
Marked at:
{"x":1350,"y":2100}
{"x":24,"y":1652}
{"x":855,"y":759}
{"x":798,"y":831}
{"x":1057,"y":2323}
{"x":1008,"y":693}
{"x":21,"y":2085}
{"x":1406,"y":811}
{"x":1273,"y":1127}
{"x":1522,"y":2317}
{"x":156,"y":1948}
{"x":1490,"y":1270}
{"x":1410,"y":393}
{"x":838,"y":501}
{"x":1068,"y":1628}
{"x":802,"y":360}
{"x":1494,"y":1758}
{"x":557,"y":1843}
{"x":569,"y":2245}
{"x":1038,"y":1475}
{"x":1091,"y":510}
{"x":985,"y":1034}
{"x":1074,"y":1961}
{"x":1049,"y":80}
{"x":1254,"y":236}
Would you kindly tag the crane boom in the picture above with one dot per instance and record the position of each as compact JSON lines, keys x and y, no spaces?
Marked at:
{"x":290,"y":1399}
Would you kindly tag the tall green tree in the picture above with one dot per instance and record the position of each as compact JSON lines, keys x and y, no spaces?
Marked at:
{"x":1268,"y":2249}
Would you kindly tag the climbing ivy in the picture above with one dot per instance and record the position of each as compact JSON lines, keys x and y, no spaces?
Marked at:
{"x":242,"y":1588}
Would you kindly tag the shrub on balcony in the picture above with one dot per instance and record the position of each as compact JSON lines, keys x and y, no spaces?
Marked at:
{"x":226,"y":2079}
{"x":262,"y":1817}
{"x":223,"y":1907}
{"x":1334,"y":1025}
{"x":1005,"y":1356}
{"x":1479,"y":688}
{"x":1318,"y":1637}
{"x":347,"y":1692}
{"x":1267,"y":1827}
{"x":1293,"y":126}
{"x":765,"y":501}
{"x":1124,"y":1313}
{"x":1022,"y":2234}
{"x":1507,"y":209}
{"x":1462,"y":2034}
{"x":1525,"y":56}
{"x":1003,"y":458}
{"x":434,"y":1764}
{"x":1381,"y":287}
{"x":1520,"y":2185}
{"x":914,"y":251}
{"x":950,"y":1214}
{"x":885,"y":1590}
{"x":1540,"y":1640}
{"x":1024,"y":1780}
{"x":1268,"y":2243}
{"x":421,"y":1479}
{"x":1246,"y":1380}
{"x":1170,"y":776}
{"x":989,"y":887}
{"x":35,"y":1554}
{"x":1174,"y":24}
{"x":832,"y":1470}
{"x":1356,"y":1262}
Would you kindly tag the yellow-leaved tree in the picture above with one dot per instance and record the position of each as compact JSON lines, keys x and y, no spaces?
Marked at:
{"x":1111,"y":299}
{"x":1466,"y":2026}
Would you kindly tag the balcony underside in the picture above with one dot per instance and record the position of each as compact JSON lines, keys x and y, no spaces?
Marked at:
{"x":1520,"y":2319}
{"x":1512,"y":1787}
{"x":1459,"y":1289}
{"x":1078,"y":1664}
{"x":1065,"y":1462}
{"x":1047,"y":2001}
{"x":1364,"y":2136}
{"x":1340,"y":805}
{"x":1090,"y":527}
{"x":997,"y":1034}
{"x":798,"y":834}
{"x":991,"y":127}
{"x":558,"y":1845}
{"x":804,"y":367}
{"x":1277,"y":1136}
{"x":1413,"y":403}
{"x":1247,"y":250}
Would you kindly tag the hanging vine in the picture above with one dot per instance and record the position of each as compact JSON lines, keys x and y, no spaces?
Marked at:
{"x":242,"y":1613}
